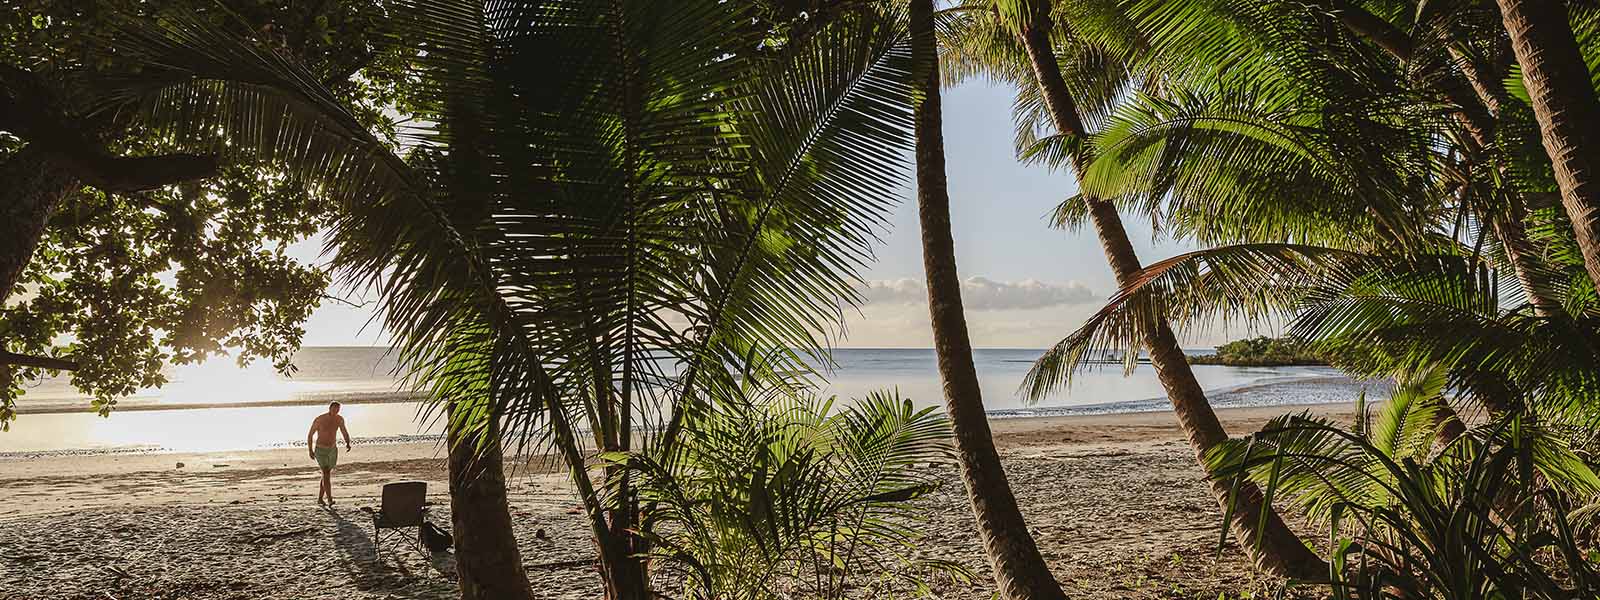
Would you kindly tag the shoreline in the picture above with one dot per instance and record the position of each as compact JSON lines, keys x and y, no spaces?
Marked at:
{"x":53,"y":482}
{"x":81,"y":405}
{"x":1118,"y":506}
{"x":1285,"y":392}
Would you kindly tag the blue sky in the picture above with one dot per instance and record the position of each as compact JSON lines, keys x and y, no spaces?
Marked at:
{"x":1027,"y":286}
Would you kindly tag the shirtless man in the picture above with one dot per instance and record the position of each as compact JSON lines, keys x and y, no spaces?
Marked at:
{"x":326,"y":450}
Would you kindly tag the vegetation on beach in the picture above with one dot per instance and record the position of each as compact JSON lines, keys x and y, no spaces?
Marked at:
{"x":590,"y":191}
{"x":1381,"y":178}
{"x":1262,"y":352}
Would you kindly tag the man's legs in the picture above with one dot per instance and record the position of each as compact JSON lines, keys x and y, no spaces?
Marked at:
{"x":326,"y":488}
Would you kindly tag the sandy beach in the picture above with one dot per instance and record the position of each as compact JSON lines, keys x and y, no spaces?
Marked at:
{"x":1116,"y":502}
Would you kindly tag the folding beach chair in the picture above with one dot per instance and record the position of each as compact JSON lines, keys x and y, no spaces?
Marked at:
{"x":403,"y":506}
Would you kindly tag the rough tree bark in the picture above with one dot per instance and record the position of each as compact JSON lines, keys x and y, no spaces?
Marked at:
{"x":31,"y":186}
{"x":1020,"y":572}
{"x":488,"y":561}
{"x":1564,"y":103}
{"x":1274,"y":548}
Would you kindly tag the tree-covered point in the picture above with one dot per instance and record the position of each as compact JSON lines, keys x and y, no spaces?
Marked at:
{"x":119,"y":254}
{"x":1262,"y":352}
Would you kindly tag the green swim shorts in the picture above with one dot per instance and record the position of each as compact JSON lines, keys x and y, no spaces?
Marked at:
{"x":327,"y":456}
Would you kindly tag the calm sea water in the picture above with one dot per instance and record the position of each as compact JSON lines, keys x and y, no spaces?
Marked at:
{"x":220,"y":406}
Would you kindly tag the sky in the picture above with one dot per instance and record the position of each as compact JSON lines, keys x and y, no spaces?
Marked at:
{"x":1026,"y":285}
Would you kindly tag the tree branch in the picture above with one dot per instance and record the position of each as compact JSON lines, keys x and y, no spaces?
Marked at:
{"x":43,"y":362}
{"x":345,"y":302}
{"x":29,"y":111}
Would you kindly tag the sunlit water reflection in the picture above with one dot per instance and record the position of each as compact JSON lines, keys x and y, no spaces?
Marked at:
{"x":360,"y":375}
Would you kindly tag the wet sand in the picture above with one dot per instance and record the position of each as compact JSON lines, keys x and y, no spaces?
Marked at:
{"x":1116,"y":502}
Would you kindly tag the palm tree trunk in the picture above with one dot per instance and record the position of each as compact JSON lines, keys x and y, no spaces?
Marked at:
{"x":625,"y":574}
{"x":1020,"y":572}
{"x":1477,"y":104}
{"x":1273,"y":547}
{"x":488,"y":561}
{"x":1569,"y":115}
{"x":623,"y":571}
{"x":1522,"y":256}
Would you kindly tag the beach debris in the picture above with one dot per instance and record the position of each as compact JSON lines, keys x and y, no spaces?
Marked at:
{"x":116,"y":572}
{"x":219,"y":465}
{"x":540,"y":535}
{"x":180,"y":465}
{"x":560,"y":564}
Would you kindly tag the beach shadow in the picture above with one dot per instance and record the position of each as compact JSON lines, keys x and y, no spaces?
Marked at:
{"x":387,"y":573}
{"x":444,"y":563}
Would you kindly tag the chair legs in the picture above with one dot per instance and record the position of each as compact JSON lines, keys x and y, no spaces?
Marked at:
{"x":378,"y":538}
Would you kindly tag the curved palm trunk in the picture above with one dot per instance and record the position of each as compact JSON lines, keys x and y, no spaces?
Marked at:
{"x":488,"y":560}
{"x":1523,"y":258}
{"x":1019,"y":570}
{"x":1272,"y":546}
{"x":1569,"y":115}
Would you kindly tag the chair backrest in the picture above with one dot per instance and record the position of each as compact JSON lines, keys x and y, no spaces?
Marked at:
{"x":402,"y":503}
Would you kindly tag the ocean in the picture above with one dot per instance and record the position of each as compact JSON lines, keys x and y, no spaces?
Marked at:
{"x":219,"y":406}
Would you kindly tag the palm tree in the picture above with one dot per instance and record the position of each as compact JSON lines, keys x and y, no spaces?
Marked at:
{"x":1467,"y":88}
{"x":1563,"y":99}
{"x":1271,"y":544}
{"x":777,"y":493}
{"x":1462,"y":520}
{"x":614,"y":203}
{"x":1020,"y":572}
{"x":1344,"y":154}
{"x":488,"y":560}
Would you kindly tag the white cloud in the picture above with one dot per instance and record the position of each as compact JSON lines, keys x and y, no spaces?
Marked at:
{"x":980,"y":293}
{"x":895,"y":291}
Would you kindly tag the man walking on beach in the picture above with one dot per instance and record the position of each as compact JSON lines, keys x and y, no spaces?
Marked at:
{"x":326,"y":449}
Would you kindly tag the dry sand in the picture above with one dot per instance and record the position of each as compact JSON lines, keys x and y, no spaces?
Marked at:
{"x":1115,"y":501}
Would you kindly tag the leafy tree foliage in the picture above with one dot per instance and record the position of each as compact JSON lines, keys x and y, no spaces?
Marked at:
{"x":1373,"y":171}
{"x":123,"y":284}
{"x":1262,"y":352}
{"x":610,"y":206}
